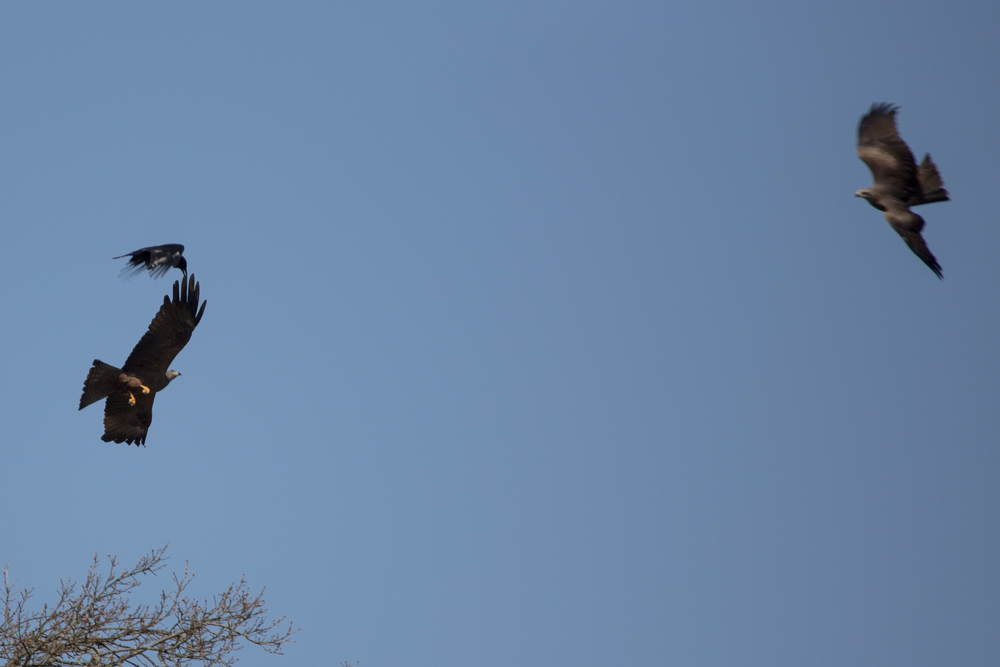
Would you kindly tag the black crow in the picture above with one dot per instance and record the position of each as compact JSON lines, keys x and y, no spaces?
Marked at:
{"x":157,"y":259}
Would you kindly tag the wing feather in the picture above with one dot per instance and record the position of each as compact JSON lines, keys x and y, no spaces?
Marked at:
{"x":167,"y":335}
{"x":127,"y":423}
{"x":920,"y":249}
{"x":909,"y":225}
{"x":886,"y":154}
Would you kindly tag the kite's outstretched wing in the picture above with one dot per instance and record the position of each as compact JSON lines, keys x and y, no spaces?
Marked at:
{"x":908,"y":225}
{"x":886,"y":154}
{"x":168,"y":333}
{"x":125,"y":423}
{"x":157,"y":259}
{"x":920,"y":249}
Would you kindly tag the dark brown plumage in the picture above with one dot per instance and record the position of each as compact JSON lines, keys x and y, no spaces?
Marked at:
{"x":130,"y":391}
{"x":899,"y":183}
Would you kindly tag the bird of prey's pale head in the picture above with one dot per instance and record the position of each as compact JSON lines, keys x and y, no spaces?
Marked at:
{"x":869,"y":195}
{"x":171,"y":375}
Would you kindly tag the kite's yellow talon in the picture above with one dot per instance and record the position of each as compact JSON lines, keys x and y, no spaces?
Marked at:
{"x":131,"y":399}
{"x":145,"y":389}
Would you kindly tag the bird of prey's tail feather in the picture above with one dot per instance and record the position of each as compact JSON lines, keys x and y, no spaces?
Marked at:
{"x":101,"y":382}
{"x":931,"y":185}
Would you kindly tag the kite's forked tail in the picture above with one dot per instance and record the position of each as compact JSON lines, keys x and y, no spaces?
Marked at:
{"x":102,"y":380}
{"x":930,"y":182}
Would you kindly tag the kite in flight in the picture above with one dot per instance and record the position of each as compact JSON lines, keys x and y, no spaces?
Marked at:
{"x":131,"y":389}
{"x":157,"y":259}
{"x":899,"y":183}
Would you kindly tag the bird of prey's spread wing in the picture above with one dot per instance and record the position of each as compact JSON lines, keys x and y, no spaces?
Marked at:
{"x":899,"y":183}
{"x":157,"y":259}
{"x":131,"y":389}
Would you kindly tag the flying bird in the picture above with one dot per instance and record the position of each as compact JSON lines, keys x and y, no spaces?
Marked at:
{"x":899,"y":183}
{"x":157,"y":259}
{"x":130,"y":390}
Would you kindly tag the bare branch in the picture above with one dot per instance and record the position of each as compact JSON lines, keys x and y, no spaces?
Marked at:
{"x":97,"y":626}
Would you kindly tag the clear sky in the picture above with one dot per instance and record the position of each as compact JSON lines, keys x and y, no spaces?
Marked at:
{"x":537,"y":333}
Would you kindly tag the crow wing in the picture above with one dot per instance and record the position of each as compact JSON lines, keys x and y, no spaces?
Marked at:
{"x":167,"y":335}
{"x":886,"y":154}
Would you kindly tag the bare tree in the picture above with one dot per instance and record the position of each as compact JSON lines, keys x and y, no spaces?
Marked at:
{"x":97,"y":626}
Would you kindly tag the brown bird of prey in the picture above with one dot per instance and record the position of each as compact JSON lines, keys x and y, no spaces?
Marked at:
{"x":157,"y":259}
{"x":899,"y":183}
{"x":130,"y":390}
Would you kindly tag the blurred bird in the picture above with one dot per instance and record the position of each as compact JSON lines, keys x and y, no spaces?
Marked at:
{"x":899,"y":183}
{"x":157,"y":259}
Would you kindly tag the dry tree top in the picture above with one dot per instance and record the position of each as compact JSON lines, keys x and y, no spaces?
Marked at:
{"x":97,"y":626}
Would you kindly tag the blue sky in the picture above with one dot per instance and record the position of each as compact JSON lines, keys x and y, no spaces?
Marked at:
{"x":537,"y":333}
